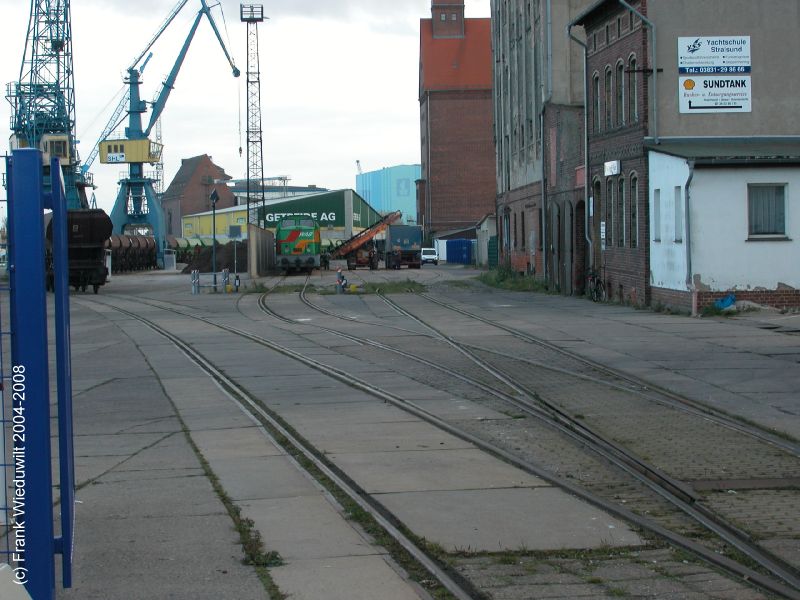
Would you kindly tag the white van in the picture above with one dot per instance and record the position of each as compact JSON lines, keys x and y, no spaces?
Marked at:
{"x":430,"y":255}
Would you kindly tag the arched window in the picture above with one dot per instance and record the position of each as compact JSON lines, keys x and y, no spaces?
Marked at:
{"x":621,"y":197}
{"x":609,"y":95}
{"x":609,"y":213}
{"x":620,"y":83}
{"x":633,"y":238}
{"x":596,"y":102}
{"x":596,"y":204}
{"x":633,"y":95}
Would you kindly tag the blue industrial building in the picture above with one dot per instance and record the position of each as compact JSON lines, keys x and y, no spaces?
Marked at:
{"x":390,"y":189}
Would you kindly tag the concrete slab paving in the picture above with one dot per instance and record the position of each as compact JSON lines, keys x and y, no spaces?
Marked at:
{"x":540,"y":518}
{"x":349,"y":438}
{"x":461,"y":469}
{"x":233,"y":442}
{"x":292,"y":527}
{"x":343,"y":578}
{"x":355,"y":413}
{"x":459,"y":408}
{"x":262,"y":477}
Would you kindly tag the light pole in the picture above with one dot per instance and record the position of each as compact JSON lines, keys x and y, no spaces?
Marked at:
{"x":214,"y":197}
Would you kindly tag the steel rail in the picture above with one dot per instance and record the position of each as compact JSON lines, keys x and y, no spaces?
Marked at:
{"x":671,"y":488}
{"x":674,"y":491}
{"x":239,"y":395}
{"x":688,"y":404}
{"x":707,"y":554}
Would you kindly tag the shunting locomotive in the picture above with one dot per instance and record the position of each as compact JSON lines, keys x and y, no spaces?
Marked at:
{"x":297,"y":243}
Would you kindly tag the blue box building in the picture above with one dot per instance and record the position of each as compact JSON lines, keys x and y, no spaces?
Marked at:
{"x":390,"y":189}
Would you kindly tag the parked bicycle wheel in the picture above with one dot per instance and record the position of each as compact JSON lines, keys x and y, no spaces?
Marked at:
{"x":600,"y":291}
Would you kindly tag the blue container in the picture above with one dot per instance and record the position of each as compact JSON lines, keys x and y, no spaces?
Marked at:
{"x":459,"y":252}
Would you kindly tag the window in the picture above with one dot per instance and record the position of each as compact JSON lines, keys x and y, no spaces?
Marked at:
{"x":453,"y":17}
{"x":766,"y":208}
{"x":522,"y":224}
{"x":609,"y":213}
{"x":595,"y":200}
{"x":620,"y":94}
{"x":630,"y":20}
{"x":619,"y":27}
{"x":596,"y":98}
{"x":594,"y":42}
{"x":515,"y":231}
{"x":633,"y":202}
{"x":657,"y":215}
{"x":541,"y":228}
{"x":608,"y":34}
{"x":678,"y":214}
{"x":609,"y":94}
{"x":443,"y":17}
{"x":633,"y":100}
{"x":621,"y":234}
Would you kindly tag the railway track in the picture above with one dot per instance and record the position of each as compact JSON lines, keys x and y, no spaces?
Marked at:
{"x":455,"y":588}
{"x":673,"y":490}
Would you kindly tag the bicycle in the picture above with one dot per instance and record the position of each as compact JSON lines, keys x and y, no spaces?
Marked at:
{"x":595,"y":287}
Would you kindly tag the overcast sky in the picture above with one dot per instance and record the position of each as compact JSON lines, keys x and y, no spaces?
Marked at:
{"x":339,"y":82}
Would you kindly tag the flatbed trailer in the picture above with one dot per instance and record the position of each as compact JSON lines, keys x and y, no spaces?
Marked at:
{"x":361,"y":249}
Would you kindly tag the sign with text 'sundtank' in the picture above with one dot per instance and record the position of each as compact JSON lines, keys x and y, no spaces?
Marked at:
{"x":714,"y":74}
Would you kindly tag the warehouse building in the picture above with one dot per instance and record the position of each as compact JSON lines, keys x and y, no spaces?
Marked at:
{"x":457,"y":182}
{"x":341,"y":214}
{"x":390,"y":189}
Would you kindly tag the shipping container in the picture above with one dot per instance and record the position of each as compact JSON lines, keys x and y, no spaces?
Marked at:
{"x":460,"y":251}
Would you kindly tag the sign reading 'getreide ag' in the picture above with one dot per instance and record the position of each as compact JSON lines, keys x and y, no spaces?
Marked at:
{"x":714,"y":74}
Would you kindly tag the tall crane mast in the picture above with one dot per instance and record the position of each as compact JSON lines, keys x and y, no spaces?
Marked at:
{"x":253,"y":14}
{"x":136,"y":208}
{"x":43,"y":100}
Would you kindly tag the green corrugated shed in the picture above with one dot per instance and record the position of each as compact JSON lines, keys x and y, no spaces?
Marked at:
{"x":493,"y":259}
{"x":331,"y":209}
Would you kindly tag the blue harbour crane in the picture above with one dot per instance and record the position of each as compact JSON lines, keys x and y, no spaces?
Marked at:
{"x":43,"y":100}
{"x":136,"y":209}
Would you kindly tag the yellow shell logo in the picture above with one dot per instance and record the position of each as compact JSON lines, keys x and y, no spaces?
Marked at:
{"x":688,"y":84}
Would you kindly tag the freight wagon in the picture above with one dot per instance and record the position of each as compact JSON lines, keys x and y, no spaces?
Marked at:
{"x":87,"y":234}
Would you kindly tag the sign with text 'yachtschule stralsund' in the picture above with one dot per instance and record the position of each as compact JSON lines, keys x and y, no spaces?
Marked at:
{"x":722,"y":55}
{"x":714,"y":74}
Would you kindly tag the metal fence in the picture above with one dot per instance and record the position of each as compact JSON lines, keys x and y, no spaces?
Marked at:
{"x":29,"y":540}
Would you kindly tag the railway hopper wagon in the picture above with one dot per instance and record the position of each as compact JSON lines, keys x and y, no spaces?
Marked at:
{"x":297,"y":244}
{"x":132,"y":253}
{"x":88,"y":232}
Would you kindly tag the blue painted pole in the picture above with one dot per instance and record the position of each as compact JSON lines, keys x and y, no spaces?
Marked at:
{"x":59,"y":229}
{"x":31,"y":536}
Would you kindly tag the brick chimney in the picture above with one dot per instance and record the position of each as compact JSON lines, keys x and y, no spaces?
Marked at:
{"x":448,"y":18}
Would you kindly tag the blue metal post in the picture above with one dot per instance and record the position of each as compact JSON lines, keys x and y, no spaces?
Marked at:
{"x":63,"y":544}
{"x":32,"y":500}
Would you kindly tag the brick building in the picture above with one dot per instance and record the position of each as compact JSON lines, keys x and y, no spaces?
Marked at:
{"x":190,"y":189}
{"x":617,"y":118}
{"x":457,"y":183}
{"x":538,"y":104}
{"x":693,"y":149}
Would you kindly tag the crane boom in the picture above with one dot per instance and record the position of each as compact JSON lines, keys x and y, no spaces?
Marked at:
{"x":112,"y":124}
{"x":169,"y":82}
{"x":167,"y":21}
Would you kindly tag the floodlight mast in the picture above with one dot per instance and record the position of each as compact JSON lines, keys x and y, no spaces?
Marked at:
{"x":253,"y":14}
